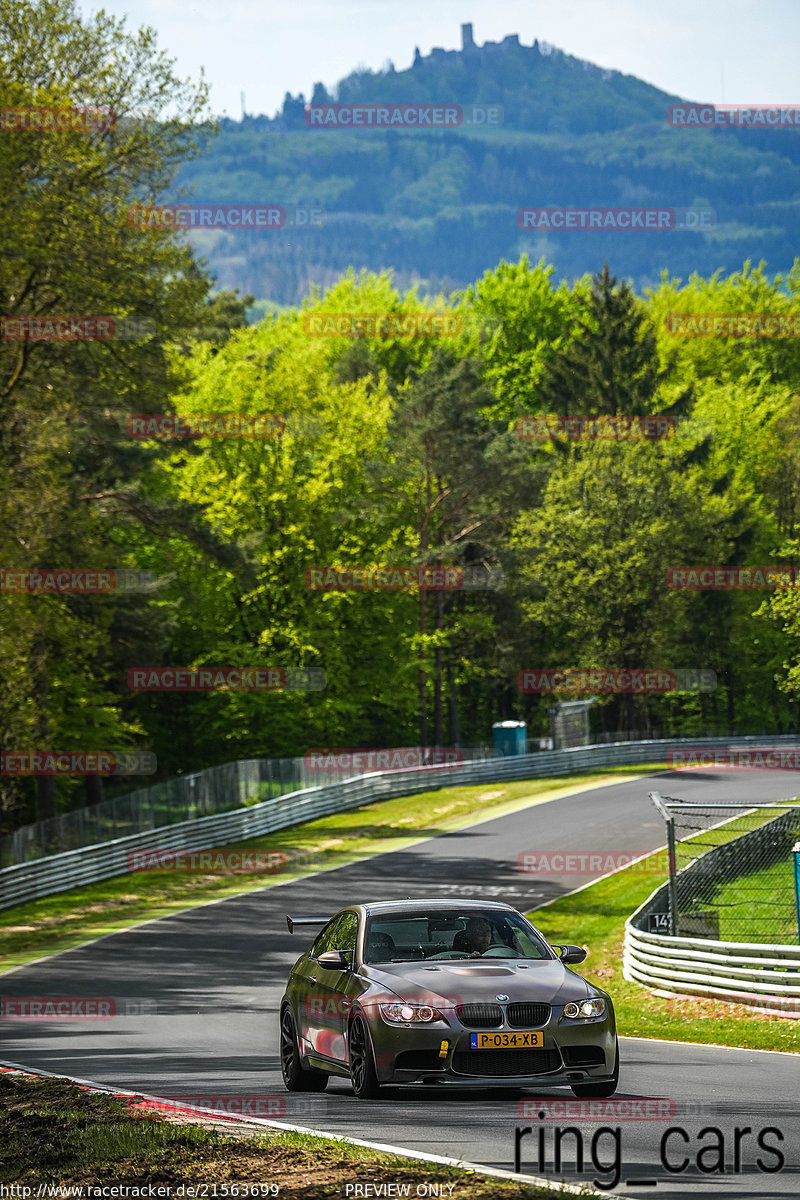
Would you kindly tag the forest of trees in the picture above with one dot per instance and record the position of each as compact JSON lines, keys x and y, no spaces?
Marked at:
{"x":396,"y":450}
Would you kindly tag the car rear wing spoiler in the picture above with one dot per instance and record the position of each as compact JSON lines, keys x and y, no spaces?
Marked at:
{"x":305,"y":922}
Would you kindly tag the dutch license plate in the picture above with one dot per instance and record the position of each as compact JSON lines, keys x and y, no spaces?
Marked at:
{"x":519,"y":1040}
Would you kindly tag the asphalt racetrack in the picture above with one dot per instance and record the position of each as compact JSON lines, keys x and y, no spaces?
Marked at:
{"x":213,"y":976}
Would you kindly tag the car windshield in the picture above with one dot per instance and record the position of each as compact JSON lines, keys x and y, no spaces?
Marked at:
{"x":451,"y":934}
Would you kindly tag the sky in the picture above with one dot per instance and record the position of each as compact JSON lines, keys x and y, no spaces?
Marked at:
{"x":722,"y":51}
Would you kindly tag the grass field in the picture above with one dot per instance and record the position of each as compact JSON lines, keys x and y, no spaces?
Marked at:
{"x":52,"y":1132}
{"x":759,"y":906}
{"x":754,"y":906}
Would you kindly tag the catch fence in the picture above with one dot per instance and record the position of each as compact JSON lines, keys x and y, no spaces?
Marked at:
{"x":205,"y":793}
{"x":731,"y":871}
{"x":212,"y":791}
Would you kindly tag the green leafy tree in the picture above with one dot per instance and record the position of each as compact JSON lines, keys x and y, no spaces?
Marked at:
{"x":453,"y":478}
{"x":516,"y":321}
{"x":71,"y":475}
{"x":610,"y":367}
{"x":613,"y":520}
{"x":290,"y":504}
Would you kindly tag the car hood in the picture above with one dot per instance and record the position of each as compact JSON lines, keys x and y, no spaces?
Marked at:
{"x":547,"y":981}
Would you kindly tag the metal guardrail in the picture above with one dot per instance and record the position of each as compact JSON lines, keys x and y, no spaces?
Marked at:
{"x":759,"y":974}
{"x":90,"y":864}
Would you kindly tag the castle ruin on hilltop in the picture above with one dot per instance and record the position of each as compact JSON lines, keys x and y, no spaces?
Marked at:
{"x":470,"y":47}
{"x":292,"y":115}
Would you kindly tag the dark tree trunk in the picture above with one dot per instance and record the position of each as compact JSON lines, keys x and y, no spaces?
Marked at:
{"x":423,"y":678}
{"x":728,"y":676}
{"x":438,"y":709}
{"x":94,"y":788}
{"x":45,"y":784}
{"x":452,"y":707}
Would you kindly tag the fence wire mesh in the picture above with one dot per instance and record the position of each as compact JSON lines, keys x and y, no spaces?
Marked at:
{"x":205,"y":793}
{"x":733,"y":875}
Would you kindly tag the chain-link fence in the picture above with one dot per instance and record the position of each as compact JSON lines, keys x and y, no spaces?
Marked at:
{"x":731,"y":870}
{"x":202,"y":794}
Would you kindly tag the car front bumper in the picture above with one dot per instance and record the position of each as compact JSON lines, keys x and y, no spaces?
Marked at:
{"x":572,"y":1053}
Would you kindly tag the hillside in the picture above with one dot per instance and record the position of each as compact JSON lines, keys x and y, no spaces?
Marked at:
{"x":440,"y":206}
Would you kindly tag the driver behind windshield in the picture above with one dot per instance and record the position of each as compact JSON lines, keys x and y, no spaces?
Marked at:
{"x":478,"y":935}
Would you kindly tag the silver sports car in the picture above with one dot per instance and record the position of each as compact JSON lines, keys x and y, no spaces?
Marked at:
{"x":442,"y":992}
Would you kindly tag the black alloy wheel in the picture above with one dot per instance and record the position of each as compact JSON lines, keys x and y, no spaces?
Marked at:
{"x":363,"y":1075}
{"x":295,"y":1077}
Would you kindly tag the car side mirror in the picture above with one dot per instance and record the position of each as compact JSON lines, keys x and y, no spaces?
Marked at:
{"x":335,"y":960}
{"x":570,"y":954}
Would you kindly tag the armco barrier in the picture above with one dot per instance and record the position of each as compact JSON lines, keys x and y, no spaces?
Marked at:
{"x":90,"y":864}
{"x":747,"y":972}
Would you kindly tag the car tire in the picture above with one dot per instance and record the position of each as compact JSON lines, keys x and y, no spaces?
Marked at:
{"x":295,"y":1076}
{"x":363,"y":1076}
{"x":599,"y":1089}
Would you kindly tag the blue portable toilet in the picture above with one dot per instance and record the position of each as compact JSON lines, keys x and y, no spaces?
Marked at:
{"x":510,"y":737}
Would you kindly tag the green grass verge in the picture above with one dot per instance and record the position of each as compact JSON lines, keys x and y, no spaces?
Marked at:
{"x":594,"y":918}
{"x":56,"y":1133}
{"x":758,"y":907}
{"x":67,"y":919}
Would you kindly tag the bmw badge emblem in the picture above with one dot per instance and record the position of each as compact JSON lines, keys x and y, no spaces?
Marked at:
{"x":501,"y":997}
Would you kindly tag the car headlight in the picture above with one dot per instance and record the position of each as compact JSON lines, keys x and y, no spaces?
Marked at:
{"x":401,"y":1013}
{"x":595,"y":1007}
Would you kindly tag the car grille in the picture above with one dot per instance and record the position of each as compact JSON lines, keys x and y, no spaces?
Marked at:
{"x":528,"y":1014}
{"x":583,"y":1056}
{"x":480,"y":1016}
{"x":505,"y":1062}
{"x":419,"y":1060}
